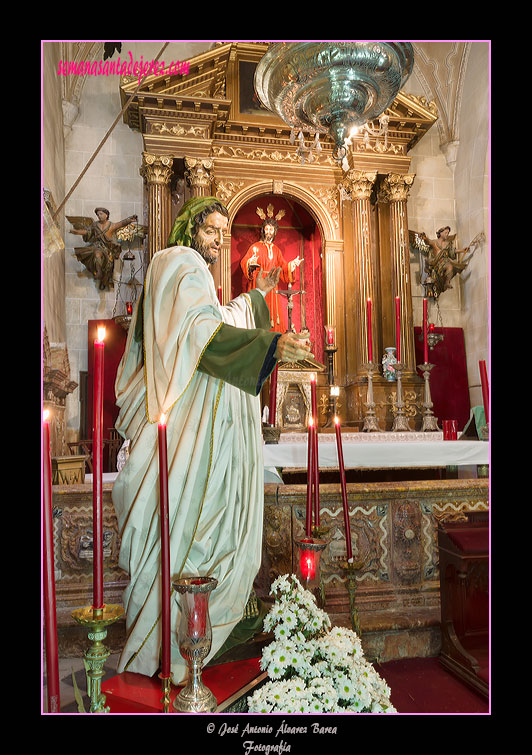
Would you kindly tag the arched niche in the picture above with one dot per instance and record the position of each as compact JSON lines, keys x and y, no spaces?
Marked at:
{"x":319,"y":297}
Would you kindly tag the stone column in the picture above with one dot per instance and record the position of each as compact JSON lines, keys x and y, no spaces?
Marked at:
{"x":394,"y":189}
{"x":358,"y":185}
{"x":157,"y":171}
{"x":198,"y":175}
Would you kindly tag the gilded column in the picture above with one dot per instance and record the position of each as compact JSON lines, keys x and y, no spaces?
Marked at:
{"x":358,"y":185}
{"x":198,"y":175}
{"x":157,"y":171}
{"x":394,"y":189}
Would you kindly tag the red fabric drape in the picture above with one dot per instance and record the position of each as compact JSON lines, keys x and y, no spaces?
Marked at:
{"x":448,"y":378}
{"x":298,"y":234}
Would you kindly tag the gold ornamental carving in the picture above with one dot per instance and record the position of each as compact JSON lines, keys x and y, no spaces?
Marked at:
{"x":200,"y":132}
{"x":156,"y":169}
{"x":328,"y":196}
{"x":262,"y":154}
{"x":225,"y":190}
{"x":198,"y":175}
{"x":358,"y":184}
{"x":396,"y":187}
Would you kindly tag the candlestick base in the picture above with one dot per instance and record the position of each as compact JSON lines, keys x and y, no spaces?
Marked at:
{"x":485,"y":432}
{"x":351,"y":568}
{"x":371,"y":424}
{"x":430,"y":422}
{"x":96,"y":620}
{"x":400,"y":422}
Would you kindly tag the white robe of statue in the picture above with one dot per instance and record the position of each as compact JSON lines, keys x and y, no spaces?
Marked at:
{"x":215,"y":460}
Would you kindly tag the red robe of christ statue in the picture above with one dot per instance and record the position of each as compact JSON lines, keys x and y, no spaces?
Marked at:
{"x":268,"y":256}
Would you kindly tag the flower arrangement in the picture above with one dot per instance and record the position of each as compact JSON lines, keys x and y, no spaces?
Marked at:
{"x":314,"y":668}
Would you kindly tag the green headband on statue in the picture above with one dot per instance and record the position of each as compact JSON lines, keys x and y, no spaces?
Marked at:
{"x":181,"y":234}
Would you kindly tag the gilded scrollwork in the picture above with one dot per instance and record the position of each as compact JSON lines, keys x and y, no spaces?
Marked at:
{"x":225,"y":190}
{"x":328,"y":196}
{"x":179,"y":130}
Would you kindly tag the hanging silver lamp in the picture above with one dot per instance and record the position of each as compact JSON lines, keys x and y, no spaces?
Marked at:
{"x":332,"y":87}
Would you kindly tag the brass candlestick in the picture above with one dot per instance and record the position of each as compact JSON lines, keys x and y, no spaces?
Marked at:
{"x":351,"y":568}
{"x":430,"y":422}
{"x":370,"y":418}
{"x":400,"y":422}
{"x":96,"y":620}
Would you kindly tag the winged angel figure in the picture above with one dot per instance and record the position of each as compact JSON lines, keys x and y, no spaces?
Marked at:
{"x":440,"y":260}
{"x":100,"y":254}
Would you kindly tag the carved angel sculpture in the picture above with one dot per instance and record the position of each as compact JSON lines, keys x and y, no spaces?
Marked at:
{"x":100,"y":254}
{"x":440,"y":260}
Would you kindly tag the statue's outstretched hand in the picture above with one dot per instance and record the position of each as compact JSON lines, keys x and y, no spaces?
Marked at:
{"x":266,"y":282}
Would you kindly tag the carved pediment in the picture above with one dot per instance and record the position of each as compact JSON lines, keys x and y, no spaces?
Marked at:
{"x":214,"y":101}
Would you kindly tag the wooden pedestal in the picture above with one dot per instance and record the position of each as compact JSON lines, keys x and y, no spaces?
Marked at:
{"x":464,"y":594}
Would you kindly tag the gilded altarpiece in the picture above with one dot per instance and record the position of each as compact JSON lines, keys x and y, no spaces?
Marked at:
{"x":206,"y":133}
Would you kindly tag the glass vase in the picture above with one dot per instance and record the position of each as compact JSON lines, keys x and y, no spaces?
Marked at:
{"x":195,"y":640}
{"x":309,"y":551}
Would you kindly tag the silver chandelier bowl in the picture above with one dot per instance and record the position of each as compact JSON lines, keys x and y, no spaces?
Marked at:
{"x":329,"y":88}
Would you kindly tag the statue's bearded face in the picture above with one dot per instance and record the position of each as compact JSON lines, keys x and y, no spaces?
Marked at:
{"x":209,"y":237}
{"x":269,"y":233}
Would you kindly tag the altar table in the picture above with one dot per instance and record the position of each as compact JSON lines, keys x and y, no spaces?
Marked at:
{"x":377,"y":451}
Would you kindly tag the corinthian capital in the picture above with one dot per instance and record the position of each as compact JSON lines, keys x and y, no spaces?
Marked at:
{"x":198,"y":174}
{"x":395,"y":187}
{"x":156,"y":169}
{"x":357,"y":184}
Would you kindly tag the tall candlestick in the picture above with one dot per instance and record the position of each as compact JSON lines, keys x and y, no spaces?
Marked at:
{"x":314,"y":405}
{"x":344,"y":488}
{"x":485,"y":389}
{"x":398,"y":327}
{"x":273,"y":396}
{"x":370,"y":337}
{"x":97,"y":472}
{"x":425,"y":334}
{"x":165,"y":547}
{"x":52,"y":655}
{"x":310,"y":477}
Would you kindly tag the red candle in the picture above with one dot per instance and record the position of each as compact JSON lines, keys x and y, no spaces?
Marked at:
{"x":310,"y":476}
{"x":97,"y":470}
{"x":52,"y":655}
{"x":129,"y":307}
{"x":220,"y":294}
{"x":370,"y":338}
{"x":425,"y":341}
{"x":165,"y":547}
{"x":330,"y":336}
{"x":314,"y":405}
{"x":307,"y":564}
{"x":398,"y":327}
{"x":485,"y":389}
{"x":273,"y":396}
{"x":344,"y":488}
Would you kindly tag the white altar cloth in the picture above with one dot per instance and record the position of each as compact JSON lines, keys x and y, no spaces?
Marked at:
{"x":366,"y":451}
{"x":373,"y":451}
